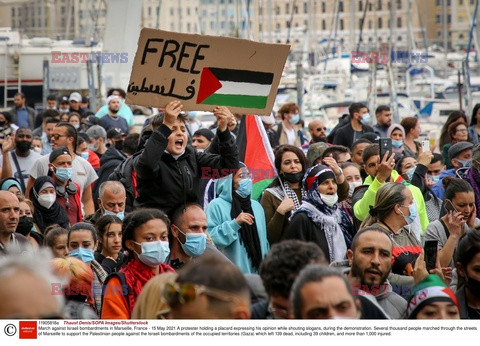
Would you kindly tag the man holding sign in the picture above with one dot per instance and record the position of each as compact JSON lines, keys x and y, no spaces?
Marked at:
{"x":169,"y":172}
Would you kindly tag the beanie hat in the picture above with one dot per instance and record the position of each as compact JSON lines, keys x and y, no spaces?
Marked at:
{"x":208,"y":134}
{"x":57,"y":152}
{"x":429,"y":290}
{"x":318,"y":173}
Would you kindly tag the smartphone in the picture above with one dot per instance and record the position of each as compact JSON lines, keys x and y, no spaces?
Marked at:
{"x":426,"y":145}
{"x":449,"y":206}
{"x":430,"y":252}
{"x":385,"y":145}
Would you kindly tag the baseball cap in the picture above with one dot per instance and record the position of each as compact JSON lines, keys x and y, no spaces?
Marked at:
{"x":315,"y":151}
{"x":115,"y":132}
{"x":92,"y":120}
{"x":57,"y":152}
{"x":63,"y":99}
{"x":457,"y":148}
{"x":75,"y":97}
{"x":96,"y":131}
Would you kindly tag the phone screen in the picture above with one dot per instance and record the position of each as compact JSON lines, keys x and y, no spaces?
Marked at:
{"x":430,"y":251}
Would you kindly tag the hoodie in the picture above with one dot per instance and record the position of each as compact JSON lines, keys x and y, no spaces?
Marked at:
{"x":438,"y":189}
{"x":225,"y":232}
{"x":362,"y":206}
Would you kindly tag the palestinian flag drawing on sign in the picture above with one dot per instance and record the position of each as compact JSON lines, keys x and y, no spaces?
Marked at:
{"x":234,"y":88}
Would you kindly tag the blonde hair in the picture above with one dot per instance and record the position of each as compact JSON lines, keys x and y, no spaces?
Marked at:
{"x":150,"y":301}
{"x":79,"y":276}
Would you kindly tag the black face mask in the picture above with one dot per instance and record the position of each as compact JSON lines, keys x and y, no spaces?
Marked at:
{"x":293,"y":177}
{"x":119,"y":145}
{"x":2,"y":123}
{"x":23,"y":146}
{"x":25,"y":224}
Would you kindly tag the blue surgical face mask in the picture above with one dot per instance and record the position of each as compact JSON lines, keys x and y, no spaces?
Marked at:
{"x":245,"y":188}
{"x":120,"y":215}
{"x":412,"y":208}
{"x":85,"y":255}
{"x":465,"y":163}
{"x":153,"y":253}
{"x":195,"y":243}
{"x":192,"y":115}
{"x":64,"y":110}
{"x":92,"y":147}
{"x":397,"y":144}
{"x":410,"y":172}
{"x":77,"y":126}
{"x":293,"y":120}
{"x":435,"y":178}
{"x":366,"y":119}
{"x":63,"y":174}
{"x":84,"y":155}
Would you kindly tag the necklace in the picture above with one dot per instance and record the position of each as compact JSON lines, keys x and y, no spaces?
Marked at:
{"x":389,"y":228}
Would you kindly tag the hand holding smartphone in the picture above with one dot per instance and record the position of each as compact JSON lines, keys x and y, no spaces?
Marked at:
{"x":430,"y":251}
{"x":425,"y":145}
{"x":385,"y":145}
{"x":449,"y":207}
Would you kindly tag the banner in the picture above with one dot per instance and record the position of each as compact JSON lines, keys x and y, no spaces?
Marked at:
{"x":205,"y":71}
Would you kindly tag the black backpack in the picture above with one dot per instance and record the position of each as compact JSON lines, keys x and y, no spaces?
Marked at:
{"x":125,"y":173}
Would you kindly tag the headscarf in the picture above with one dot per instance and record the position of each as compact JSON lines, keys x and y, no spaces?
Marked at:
{"x":7,"y":183}
{"x":429,"y":290}
{"x":248,"y":233}
{"x":42,"y":216}
{"x":392,"y":128}
{"x":332,"y":220}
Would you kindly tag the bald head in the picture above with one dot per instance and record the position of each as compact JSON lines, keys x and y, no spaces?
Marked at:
{"x":317,"y":131}
{"x":9,"y":215}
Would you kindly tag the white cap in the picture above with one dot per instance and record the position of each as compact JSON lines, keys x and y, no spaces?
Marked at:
{"x":75,"y":97}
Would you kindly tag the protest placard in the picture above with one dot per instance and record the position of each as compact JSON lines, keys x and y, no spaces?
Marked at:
{"x":205,"y":71}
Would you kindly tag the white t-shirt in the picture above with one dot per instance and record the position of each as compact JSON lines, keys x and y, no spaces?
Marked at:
{"x":290,"y":136}
{"x":25,"y":164}
{"x":83,"y":172}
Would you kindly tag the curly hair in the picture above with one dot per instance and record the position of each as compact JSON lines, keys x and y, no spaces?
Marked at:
{"x":283,"y":263}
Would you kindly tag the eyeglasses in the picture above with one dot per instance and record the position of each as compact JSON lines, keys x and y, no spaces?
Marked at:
{"x":321,"y":128}
{"x":186,"y":293}
{"x":462,"y":130}
{"x":56,"y":136}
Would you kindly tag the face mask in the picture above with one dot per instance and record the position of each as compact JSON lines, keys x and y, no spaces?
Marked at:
{"x":366,"y":119}
{"x":352,"y":186}
{"x":412,"y":208}
{"x":201,"y":150}
{"x":77,"y":126}
{"x":195,"y":243}
{"x":410,"y":172}
{"x":23,"y":146}
{"x":47,"y":200}
{"x":63,"y":174}
{"x":64,"y":110}
{"x":119,"y":145}
{"x":245,"y":188}
{"x":397,"y":144}
{"x":84,"y":155}
{"x":25,"y":224}
{"x":293,"y":120}
{"x":474,"y":286}
{"x":120,"y":215}
{"x":329,"y":200}
{"x":37,"y":150}
{"x":92,"y":147}
{"x":153,"y":253}
{"x":85,"y":255}
{"x":465,"y":163}
{"x":192,"y":115}
{"x":293,"y":177}
{"x":2,"y":123}
{"x":435,"y":178}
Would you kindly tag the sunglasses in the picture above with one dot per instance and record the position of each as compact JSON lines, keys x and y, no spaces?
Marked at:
{"x":57,"y":137}
{"x":175,"y":294}
{"x":321,"y":128}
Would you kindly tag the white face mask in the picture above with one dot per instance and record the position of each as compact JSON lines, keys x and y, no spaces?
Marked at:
{"x":47,"y":200}
{"x":352,"y":186}
{"x":329,"y":200}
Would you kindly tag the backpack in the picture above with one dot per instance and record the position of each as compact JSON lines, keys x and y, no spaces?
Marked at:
{"x":125,"y":174}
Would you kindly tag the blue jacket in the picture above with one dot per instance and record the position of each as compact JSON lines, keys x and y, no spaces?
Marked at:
{"x":438,"y":189}
{"x":225,"y":232}
{"x":472,"y":133}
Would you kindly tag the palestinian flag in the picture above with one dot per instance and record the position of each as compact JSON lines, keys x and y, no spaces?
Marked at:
{"x":234,"y":88}
{"x":257,"y":154}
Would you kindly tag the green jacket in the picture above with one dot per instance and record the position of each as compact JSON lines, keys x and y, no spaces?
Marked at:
{"x":362,"y":207}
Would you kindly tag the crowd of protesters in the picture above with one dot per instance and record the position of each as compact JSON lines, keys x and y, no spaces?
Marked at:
{"x":112,"y":220}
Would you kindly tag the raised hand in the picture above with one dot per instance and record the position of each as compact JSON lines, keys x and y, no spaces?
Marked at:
{"x":172,"y":110}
